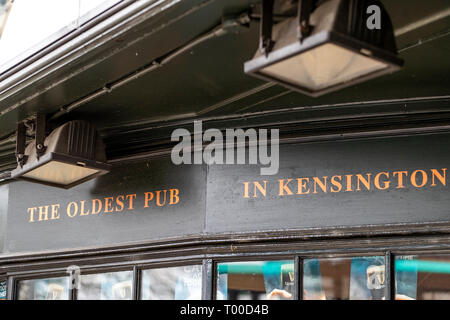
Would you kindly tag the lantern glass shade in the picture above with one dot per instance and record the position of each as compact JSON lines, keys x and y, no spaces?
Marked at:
{"x":60,"y":173}
{"x":322,"y":67}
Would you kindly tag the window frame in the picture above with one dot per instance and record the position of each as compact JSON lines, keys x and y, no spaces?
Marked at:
{"x":41,"y":275}
{"x":209,"y":256}
{"x":204,"y":264}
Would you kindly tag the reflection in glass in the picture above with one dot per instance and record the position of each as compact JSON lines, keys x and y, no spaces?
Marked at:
{"x":175,"y":283}
{"x":44,"y":289}
{"x":422,"y":277}
{"x":255,"y":280}
{"x":106,"y":286}
{"x":2,"y":290}
{"x":359,"y":278}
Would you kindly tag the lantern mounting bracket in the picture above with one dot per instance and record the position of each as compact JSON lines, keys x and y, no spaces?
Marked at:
{"x":305,"y":8}
{"x":39,"y":128}
{"x":20,"y":144}
{"x":40,"y":134}
{"x":265,"y":38}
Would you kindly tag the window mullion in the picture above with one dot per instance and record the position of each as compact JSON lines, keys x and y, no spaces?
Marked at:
{"x":207,"y":279}
{"x":11,"y":289}
{"x":298,"y":277}
{"x":136,"y":284}
{"x":390,"y":275}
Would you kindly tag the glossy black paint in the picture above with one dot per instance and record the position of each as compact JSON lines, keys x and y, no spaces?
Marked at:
{"x":212,"y":83}
{"x":212,"y":203}
{"x":106,"y":228}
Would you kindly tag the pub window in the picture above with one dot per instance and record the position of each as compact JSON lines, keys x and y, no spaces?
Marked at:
{"x":44,"y":289}
{"x":356,"y":278}
{"x":174,"y":283}
{"x":422,"y":277}
{"x":414,"y":277}
{"x":255,"y":280}
{"x":2,"y":290}
{"x":106,"y":286}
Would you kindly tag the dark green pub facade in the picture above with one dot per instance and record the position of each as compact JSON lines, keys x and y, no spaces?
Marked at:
{"x":357,"y":208}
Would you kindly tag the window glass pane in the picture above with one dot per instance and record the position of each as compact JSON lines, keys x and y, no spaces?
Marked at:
{"x":44,"y":289}
{"x":106,"y":286}
{"x":2,"y":290}
{"x":422,"y":277}
{"x":360,"y":278}
{"x":255,"y":280}
{"x":176,"y":283}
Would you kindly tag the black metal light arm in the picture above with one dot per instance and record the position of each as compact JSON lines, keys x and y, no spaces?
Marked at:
{"x":265,"y":39}
{"x":40,"y":134}
{"x":20,"y":144}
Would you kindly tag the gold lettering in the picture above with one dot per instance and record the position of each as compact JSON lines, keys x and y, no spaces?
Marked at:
{"x":82,"y":213}
{"x":376,"y":181}
{"x":322,"y":185}
{"x":108,"y":205}
{"x":174,"y":196}
{"x":440,"y":177}
{"x":302,"y":185}
{"x":336,"y":184}
{"x":246,"y":190}
{"x":400,"y":175}
{"x":96,"y":202}
{"x":43,"y":214}
{"x":130,"y":198}
{"x":260,"y":188}
{"x":119,"y":203}
{"x":69,"y":210}
{"x":414,"y":180}
{"x":158,"y":198}
{"x":349,"y":182}
{"x":31,"y":211}
{"x":148,"y":198}
{"x":365,"y":182}
{"x":55,"y":212}
{"x":284,"y":187}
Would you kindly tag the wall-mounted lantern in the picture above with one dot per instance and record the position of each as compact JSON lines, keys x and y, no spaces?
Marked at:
{"x":328,"y":46}
{"x":72,"y":154}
